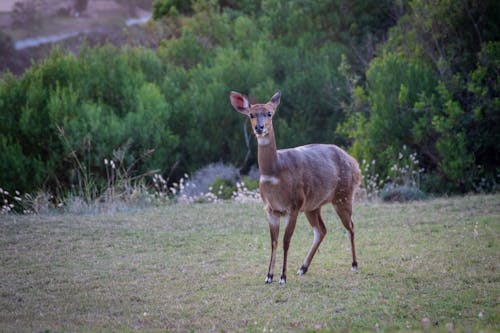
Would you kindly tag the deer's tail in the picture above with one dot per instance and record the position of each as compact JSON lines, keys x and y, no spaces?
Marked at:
{"x":356,"y":174}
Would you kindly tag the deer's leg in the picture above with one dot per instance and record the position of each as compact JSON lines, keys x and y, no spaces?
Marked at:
{"x":319,"y":229}
{"x":291,"y":220}
{"x":274,"y":228}
{"x":345,"y":213}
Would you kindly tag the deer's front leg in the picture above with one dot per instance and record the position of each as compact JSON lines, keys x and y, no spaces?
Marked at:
{"x":274,"y":228}
{"x":290,"y":221}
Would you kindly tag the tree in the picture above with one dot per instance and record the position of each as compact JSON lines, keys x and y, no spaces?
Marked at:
{"x":444,"y":111}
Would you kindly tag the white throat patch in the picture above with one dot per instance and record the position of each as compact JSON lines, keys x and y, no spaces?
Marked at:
{"x":269,"y":179}
{"x":263,"y":140}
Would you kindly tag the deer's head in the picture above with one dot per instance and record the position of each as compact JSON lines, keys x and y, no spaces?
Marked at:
{"x":261,"y":115}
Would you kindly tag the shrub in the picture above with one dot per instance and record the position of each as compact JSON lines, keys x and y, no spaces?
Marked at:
{"x":64,"y":115}
{"x":163,"y":8}
{"x":223,"y":188}
{"x":312,"y":90}
{"x":250,"y":184}
{"x":184,"y":51}
{"x":202,"y":180}
{"x":401,"y":184}
{"x":401,"y":193}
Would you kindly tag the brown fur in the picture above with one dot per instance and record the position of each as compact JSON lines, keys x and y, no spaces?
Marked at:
{"x":300,"y":179}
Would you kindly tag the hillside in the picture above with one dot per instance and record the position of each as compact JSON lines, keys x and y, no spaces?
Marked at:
{"x":34,"y":27}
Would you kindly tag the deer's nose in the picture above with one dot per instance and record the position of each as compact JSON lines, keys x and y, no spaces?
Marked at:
{"x":259,"y":128}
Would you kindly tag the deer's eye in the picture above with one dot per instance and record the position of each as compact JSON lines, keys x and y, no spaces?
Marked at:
{"x":269,"y":114}
{"x":252,"y":116}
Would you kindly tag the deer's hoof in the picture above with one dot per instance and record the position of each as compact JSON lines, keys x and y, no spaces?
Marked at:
{"x":269,"y":278}
{"x":283,"y":280}
{"x":302,"y":270}
{"x":354,"y":266}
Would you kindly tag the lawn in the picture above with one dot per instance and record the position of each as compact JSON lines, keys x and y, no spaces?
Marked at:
{"x":202,"y":267}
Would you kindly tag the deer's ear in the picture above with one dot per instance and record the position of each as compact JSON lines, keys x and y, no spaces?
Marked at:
{"x":239,"y":102}
{"x":275,"y":100}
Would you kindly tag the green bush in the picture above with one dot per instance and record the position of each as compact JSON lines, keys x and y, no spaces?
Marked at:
{"x":250,"y":184}
{"x":312,"y":94}
{"x":163,"y":8}
{"x":65,"y":115}
{"x":223,"y":188}
{"x":184,"y":51}
{"x":395,"y":84}
{"x":432,"y":88}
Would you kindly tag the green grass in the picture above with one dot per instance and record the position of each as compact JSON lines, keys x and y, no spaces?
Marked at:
{"x":202,"y":268}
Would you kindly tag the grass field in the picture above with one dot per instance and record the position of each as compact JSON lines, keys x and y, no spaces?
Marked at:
{"x":202,"y":268}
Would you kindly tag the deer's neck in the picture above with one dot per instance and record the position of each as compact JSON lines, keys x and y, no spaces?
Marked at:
{"x":267,"y":155}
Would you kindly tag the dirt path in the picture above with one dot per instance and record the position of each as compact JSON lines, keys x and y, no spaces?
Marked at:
{"x":37,"y":41}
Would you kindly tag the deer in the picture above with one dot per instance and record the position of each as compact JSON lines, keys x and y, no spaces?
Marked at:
{"x":300,"y":179}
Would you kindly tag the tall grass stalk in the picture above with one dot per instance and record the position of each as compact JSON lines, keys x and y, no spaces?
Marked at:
{"x":402,"y":182}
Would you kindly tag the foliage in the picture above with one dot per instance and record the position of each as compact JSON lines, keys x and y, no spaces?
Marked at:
{"x":223,"y":188}
{"x":394,"y":84}
{"x":170,"y":8}
{"x":373,"y":77}
{"x":402,"y":182}
{"x":250,"y":184}
{"x":77,"y":110}
{"x":433,"y":93}
{"x":210,"y":178}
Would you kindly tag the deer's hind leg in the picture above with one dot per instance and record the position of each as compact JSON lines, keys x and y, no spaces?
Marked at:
{"x":319,"y":229}
{"x":344,"y":211}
